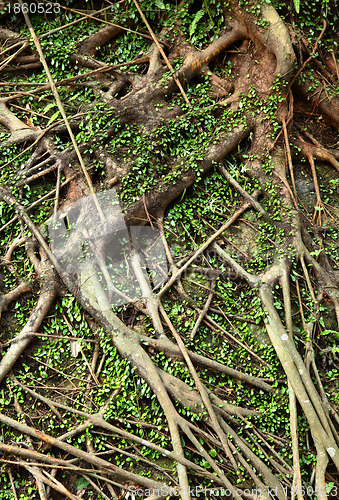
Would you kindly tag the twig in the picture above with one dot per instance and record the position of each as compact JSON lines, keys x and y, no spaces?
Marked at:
{"x":12,"y":484}
{"x":242,"y":191}
{"x":37,"y":202}
{"x":76,"y":21}
{"x":57,"y":189}
{"x":108,"y":22}
{"x":13,"y":56}
{"x":203,"y":312}
{"x":289,"y":157}
{"x":311,"y":56}
{"x":200,"y":387}
{"x":88,"y":457}
{"x":62,"y":111}
{"x":99,"y":490}
{"x":52,"y":336}
{"x":210,"y":321}
{"x":98,"y":420}
{"x":82,"y":353}
{"x":169,"y":65}
{"x":203,"y":247}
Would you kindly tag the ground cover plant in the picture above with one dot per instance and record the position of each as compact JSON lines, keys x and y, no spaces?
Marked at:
{"x":215,"y":124}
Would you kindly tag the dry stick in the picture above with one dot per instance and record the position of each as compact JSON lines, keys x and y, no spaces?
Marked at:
{"x":57,"y":483}
{"x":48,"y":335}
{"x":301,"y":307}
{"x":244,"y":346}
{"x":138,"y":457}
{"x":260,"y":466}
{"x":31,"y":145}
{"x":316,"y":187}
{"x":289,"y":157}
{"x":213,"y":325}
{"x":109,"y":481}
{"x":186,"y":428}
{"x":82,"y":353}
{"x":275,"y":464}
{"x":83,"y":18}
{"x":168,"y":346}
{"x":103,"y":69}
{"x":311,"y":56}
{"x":297,"y":483}
{"x":202,"y":390}
{"x":36,"y":176}
{"x":203,"y":247}
{"x":259,"y":484}
{"x":98,"y":420}
{"x":241,"y":190}
{"x":41,"y":163}
{"x":57,"y":189}
{"x":226,"y":239}
{"x":169,"y":65}
{"x":88,"y":457}
{"x":107,"y":22}
{"x":203,"y":312}
{"x":32,"y":455}
{"x":51,"y":482}
{"x":307,"y":277}
{"x":12,"y":484}
{"x":54,"y":466}
{"x":147,"y":293}
{"x":63,"y":114}
{"x":30,"y":111}
{"x":99,"y":490}
{"x":13,"y":56}
{"x":40,"y":485}
{"x":267,"y":444}
{"x":11,"y":47}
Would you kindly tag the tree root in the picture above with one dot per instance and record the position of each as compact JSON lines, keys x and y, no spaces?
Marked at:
{"x":47,"y":295}
{"x":5,"y":300}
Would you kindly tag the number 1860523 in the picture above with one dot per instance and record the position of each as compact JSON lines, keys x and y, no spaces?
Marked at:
{"x":33,"y":8}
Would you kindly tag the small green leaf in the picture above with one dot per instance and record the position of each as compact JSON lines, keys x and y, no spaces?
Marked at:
{"x":213,"y":453}
{"x":297,"y":5}
{"x":196,"y":19}
{"x":81,"y":483}
{"x":53,"y":117}
{"x":49,"y":106}
{"x":329,"y":487}
{"x":330,"y":332}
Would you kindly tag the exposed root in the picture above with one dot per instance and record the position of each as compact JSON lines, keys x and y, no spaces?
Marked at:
{"x":267,"y":57}
{"x":47,"y":296}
